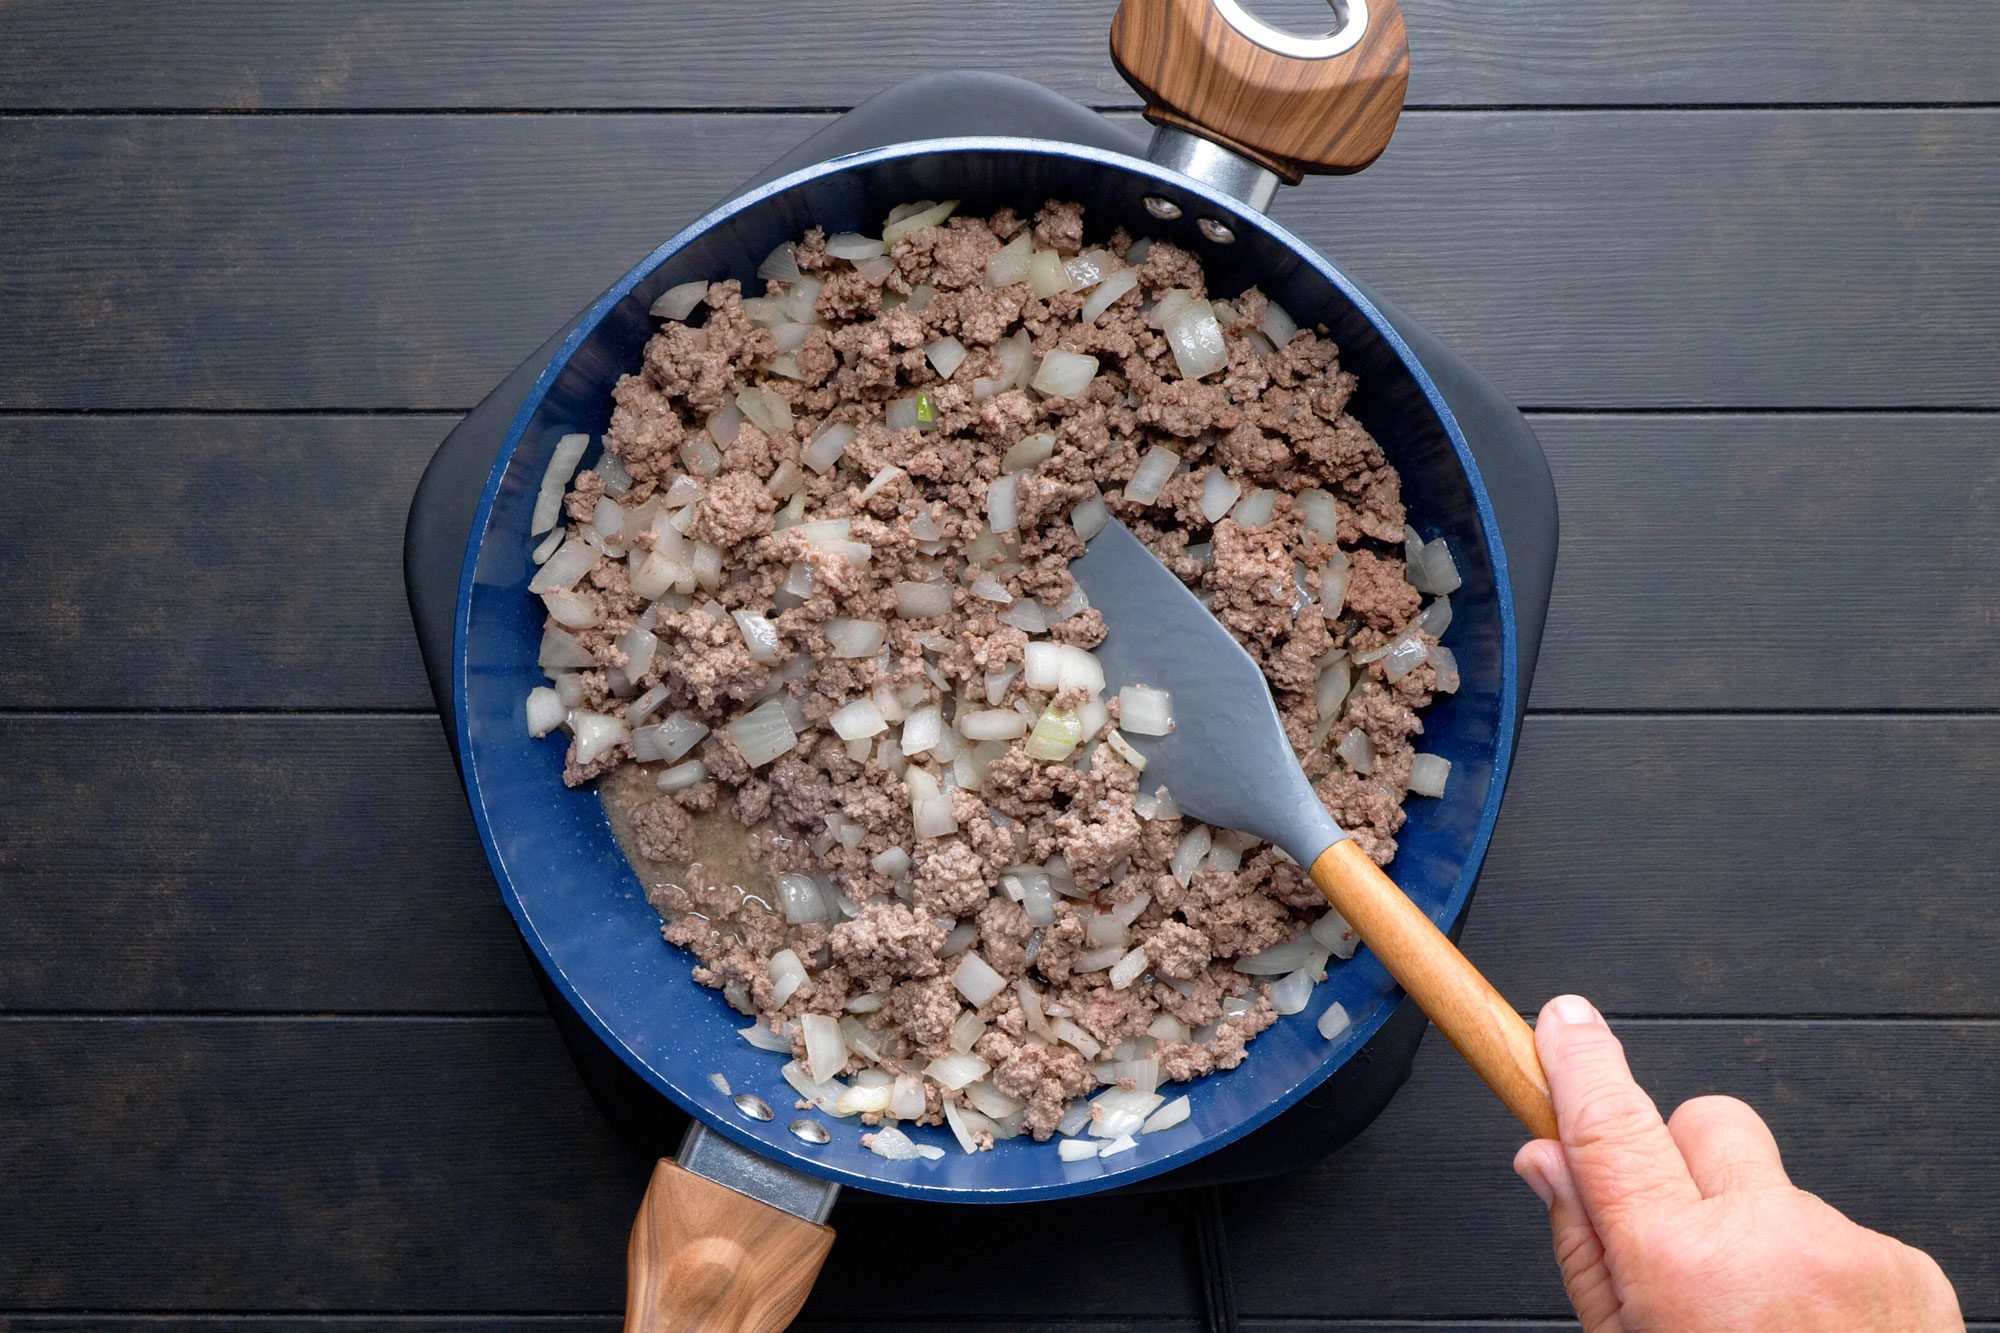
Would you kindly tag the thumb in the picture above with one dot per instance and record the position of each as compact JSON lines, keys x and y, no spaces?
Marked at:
{"x":1625,"y":1164}
{"x":1579,"y":1253}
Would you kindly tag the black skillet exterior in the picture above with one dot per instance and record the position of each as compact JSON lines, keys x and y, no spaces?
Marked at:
{"x":963,"y":103}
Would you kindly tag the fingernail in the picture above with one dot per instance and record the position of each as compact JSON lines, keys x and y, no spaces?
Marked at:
{"x":1539,"y":1183}
{"x":1574,"y":1009}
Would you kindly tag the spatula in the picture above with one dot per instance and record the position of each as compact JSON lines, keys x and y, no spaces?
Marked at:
{"x":1227,"y":763}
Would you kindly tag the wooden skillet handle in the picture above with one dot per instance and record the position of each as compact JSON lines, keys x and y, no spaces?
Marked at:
{"x":1472,"y":1015}
{"x":1294,"y":113}
{"x":705,"y":1259}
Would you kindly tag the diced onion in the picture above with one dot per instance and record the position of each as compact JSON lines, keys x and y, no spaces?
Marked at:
{"x":1128,"y":969}
{"x":1120,"y":1111}
{"x":1171,"y":303}
{"x":852,"y":245}
{"x":546,"y":711}
{"x":1428,"y":774}
{"x":1404,"y":656}
{"x":1070,"y":1034}
{"x":597,"y":734}
{"x":1335,"y":936}
{"x":1002,"y":512}
{"x":855,"y":638}
{"x":572,"y":560}
{"x":1046,"y":274}
{"x":922,"y":729}
{"x":1145,"y":711}
{"x":1445,"y":663}
{"x":1123,"y":1143}
{"x":678,"y":302}
{"x":1197,"y":343}
{"x":945,"y":355}
{"x":992,"y":724}
{"x":929,"y":215}
{"x":1075,"y":1150}
{"x":931,"y":815}
{"x":1010,"y":265}
{"x":1290,"y":994}
{"x":1436,"y":618}
{"x":1277,"y":325}
{"x":1123,"y":749}
{"x":1433,"y":571}
{"x":976,"y":980}
{"x":555,"y":479}
{"x":826,"y":1048}
{"x":1189,"y":854}
{"x":682,"y":776}
{"x":956,"y":1069}
{"x":1357,"y":750}
{"x":1173,"y":1113}
{"x":781,"y":265}
{"x":1064,"y":374}
{"x":858,"y":720}
{"x":1155,"y":470}
{"x":560,"y":650}
{"x":668,"y":740}
{"x":1218,"y":494}
{"x":914,"y":601}
{"x":799,"y":898}
{"x":1255,"y":509}
{"x":1107,"y":294}
{"x":1089,"y":517}
{"x":1279,"y":959}
{"x":1334,"y":1021}
{"x":763,"y":733}
{"x":787,"y":974}
{"x":1027,"y":616}
{"x":1028,"y":451}
{"x":725,"y":423}
{"x":770,"y":412}
{"x":827,"y":447}
{"x":760,"y":636}
{"x":1322,"y":515}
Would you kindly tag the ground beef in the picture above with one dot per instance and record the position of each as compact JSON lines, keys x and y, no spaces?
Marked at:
{"x":734,"y":546}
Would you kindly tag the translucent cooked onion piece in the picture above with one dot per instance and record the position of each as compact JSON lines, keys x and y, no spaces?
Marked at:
{"x":682,"y":776}
{"x":1277,"y":325}
{"x":1445,"y":663}
{"x":1002,"y":511}
{"x":1404,"y":656}
{"x":764,"y":1039}
{"x":1064,"y":374}
{"x":1357,"y":750}
{"x":546,"y":711}
{"x":781,"y":265}
{"x":1218,"y":495}
{"x":1028,"y":451}
{"x":1189,"y":854}
{"x":1279,"y":959}
{"x":946,"y":355}
{"x":915,"y":601}
{"x":992,"y":724}
{"x":760,"y":636}
{"x":667,"y":740}
{"x":1011,"y":264}
{"x":1107,"y":294}
{"x":926,"y":214}
{"x":1046,"y":274}
{"x":1197,"y":342}
{"x":853,"y":246}
{"x":555,"y":479}
{"x":678,"y":302}
{"x":1155,"y":470}
{"x":826,"y":1048}
{"x":1173,"y":1113}
{"x":1145,"y":711}
{"x":855,"y":638}
{"x":858,"y":720}
{"x":1291,"y":993}
{"x":597,"y":734}
{"x":763,"y":733}
{"x":1075,"y":1150}
{"x":827,"y":446}
{"x":956,"y":1069}
{"x":1428,"y":774}
{"x":976,"y":980}
{"x":922,"y":729}
{"x":1089,"y":517}
{"x":1128,"y":969}
{"x":1434,"y":571}
{"x":787,"y":974}
{"x":1056,"y":735}
{"x":1334,"y":1021}
{"x":1255,"y":509}
{"x":767,"y":410}
{"x":799,"y":899}
{"x":1335,"y":936}
{"x":560,"y":572}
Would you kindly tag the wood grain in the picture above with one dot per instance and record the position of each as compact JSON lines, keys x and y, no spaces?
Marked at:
{"x":352,"y":54}
{"x":1786,"y":539}
{"x":1659,"y":865}
{"x":255,"y":563}
{"x":1462,"y":1004}
{"x":1578,"y":259}
{"x":1423,"y":1211}
{"x":1297,"y":116}
{"x":705,"y":1259}
{"x":377,"y":1166}
{"x":382,"y":1166}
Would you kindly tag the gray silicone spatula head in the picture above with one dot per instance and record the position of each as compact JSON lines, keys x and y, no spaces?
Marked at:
{"x":1227,"y":761}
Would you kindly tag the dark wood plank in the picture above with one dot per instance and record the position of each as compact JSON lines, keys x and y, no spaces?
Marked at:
{"x":1659,"y":865}
{"x":1817,"y":552}
{"x":1890,"y":1122}
{"x":1577,"y":258}
{"x":1774,"y":562}
{"x":437,"y":1167}
{"x":627,"y":53}
{"x":252,"y":563}
{"x":247,"y":863}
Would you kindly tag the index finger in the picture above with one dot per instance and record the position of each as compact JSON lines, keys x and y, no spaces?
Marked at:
{"x":1625,"y":1163}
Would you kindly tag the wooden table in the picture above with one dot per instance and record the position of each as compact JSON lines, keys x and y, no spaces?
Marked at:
{"x":272,"y":1059}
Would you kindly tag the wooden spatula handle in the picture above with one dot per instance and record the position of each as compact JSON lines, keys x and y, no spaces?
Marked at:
{"x":705,"y":1259}
{"x":1472,"y":1015}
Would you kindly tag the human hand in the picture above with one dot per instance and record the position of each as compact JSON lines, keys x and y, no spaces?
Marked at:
{"x":1692,"y":1225}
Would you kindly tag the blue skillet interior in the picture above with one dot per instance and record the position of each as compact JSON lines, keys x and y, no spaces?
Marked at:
{"x":577,"y":902}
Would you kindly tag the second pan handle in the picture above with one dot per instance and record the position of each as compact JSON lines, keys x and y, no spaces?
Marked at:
{"x":1293,"y":105}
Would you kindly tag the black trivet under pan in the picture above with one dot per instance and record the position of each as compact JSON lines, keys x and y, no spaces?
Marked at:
{"x":968,"y":103}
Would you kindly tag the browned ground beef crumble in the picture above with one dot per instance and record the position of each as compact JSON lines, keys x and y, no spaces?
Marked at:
{"x":1274,"y":417}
